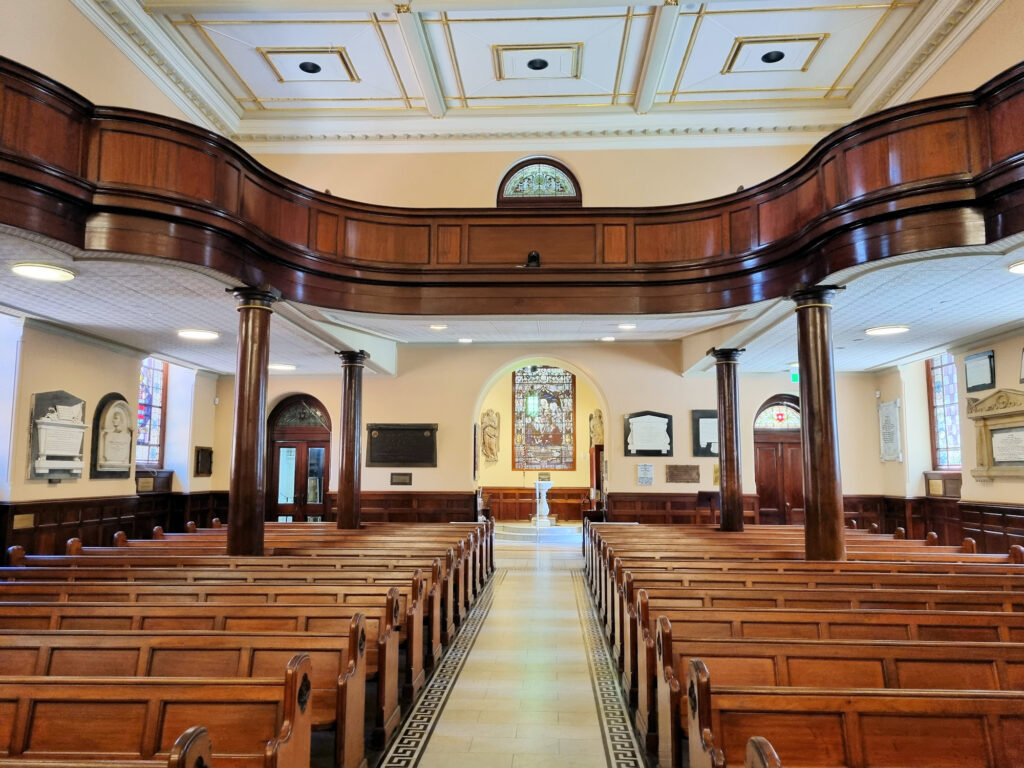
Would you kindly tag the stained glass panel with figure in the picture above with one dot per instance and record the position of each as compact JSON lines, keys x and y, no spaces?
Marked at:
{"x":544,"y":418}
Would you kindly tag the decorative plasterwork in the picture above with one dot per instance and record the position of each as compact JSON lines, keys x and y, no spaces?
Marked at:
{"x":998,"y":422}
{"x":144,"y":30}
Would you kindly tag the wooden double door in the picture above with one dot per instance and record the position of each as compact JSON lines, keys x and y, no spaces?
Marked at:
{"x":778,"y":472}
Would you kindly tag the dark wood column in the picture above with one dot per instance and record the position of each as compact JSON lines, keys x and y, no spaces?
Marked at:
{"x":246,"y":497}
{"x":352,"y":364}
{"x":823,"y":490}
{"x":730,"y":480}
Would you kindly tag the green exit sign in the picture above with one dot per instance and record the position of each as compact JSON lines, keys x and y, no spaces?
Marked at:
{"x":794,"y":375}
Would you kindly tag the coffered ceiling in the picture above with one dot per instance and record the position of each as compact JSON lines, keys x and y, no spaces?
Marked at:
{"x":288,"y":72}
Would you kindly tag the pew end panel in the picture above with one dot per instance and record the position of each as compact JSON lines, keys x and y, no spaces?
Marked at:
{"x":349,"y":748}
{"x":388,"y":672}
{"x":193,"y":749}
{"x":415,"y":675}
{"x":669,"y":693}
{"x":761,"y":754}
{"x":644,"y":658}
{"x":291,"y":747}
{"x":16,"y":556}
{"x":702,"y":749}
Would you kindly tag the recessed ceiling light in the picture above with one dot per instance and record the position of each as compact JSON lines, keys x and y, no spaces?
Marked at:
{"x":627,"y":326}
{"x":794,"y":365}
{"x":1018,"y":268}
{"x":537,"y":64}
{"x":607,"y":338}
{"x":310,"y":67}
{"x":465,"y":341}
{"x":886,"y":330}
{"x":437,"y":326}
{"x":43,"y":272}
{"x":773,"y":57}
{"x":195,"y":334}
{"x":281,"y":367}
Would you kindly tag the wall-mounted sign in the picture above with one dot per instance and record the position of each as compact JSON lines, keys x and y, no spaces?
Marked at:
{"x":645,"y":474}
{"x":704,"y":427}
{"x":401,"y":478}
{"x":889,"y":431}
{"x":648,"y":433}
{"x":401,"y":445}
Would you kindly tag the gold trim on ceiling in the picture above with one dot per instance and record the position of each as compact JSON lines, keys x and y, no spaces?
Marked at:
{"x":346,"y":62}
{"x":262,"y":22}
{"x":391,"y":60}
{"x":852,"y":7}
{"x":537,"y":18}
{"x":689,"y":48}
{"x":224,"y":59}
{"x":498,"y":49}
{"x":864,"y":44}
{"x":450,"y":43}
{"x":623,"y":45}
{"x":739,"y":42}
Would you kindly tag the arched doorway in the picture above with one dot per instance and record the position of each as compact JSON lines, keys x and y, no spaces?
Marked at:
{"x":299,"y":454}
{"x":778,"y":460}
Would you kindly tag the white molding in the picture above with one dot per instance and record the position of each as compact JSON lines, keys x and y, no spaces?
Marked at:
{"x":941,"y":52}
{"x":422,"y":60}
{"x":659,"y":43}
{"x":142,"y":40}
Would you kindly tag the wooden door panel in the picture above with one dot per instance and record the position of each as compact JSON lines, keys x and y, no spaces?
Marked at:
{"x":766,"y":475}
{"x":793,"y":481}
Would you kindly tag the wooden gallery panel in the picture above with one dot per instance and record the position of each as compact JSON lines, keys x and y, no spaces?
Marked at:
{"x":275,"y":215}
{"x":556,"y":243}
{"x":679,"y":240}
{"x":129,"y":157}
{"x":786,"y":214}
{"x":387,"y":242}
{"x":48,"y":131}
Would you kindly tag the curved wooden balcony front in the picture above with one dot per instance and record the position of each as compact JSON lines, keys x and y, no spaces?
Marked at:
{"x":939,"y":173}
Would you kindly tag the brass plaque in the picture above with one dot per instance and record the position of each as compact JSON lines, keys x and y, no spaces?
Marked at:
{"x":717,"y":479}
{"x":144,"y":484}
{"x":682,"y":473}
{"x":935,"y":487}
{"x":26,"y":520}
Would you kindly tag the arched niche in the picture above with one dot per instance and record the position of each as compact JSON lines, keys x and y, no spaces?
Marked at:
{"x":298,"y":460}
{"x":508,"y":492}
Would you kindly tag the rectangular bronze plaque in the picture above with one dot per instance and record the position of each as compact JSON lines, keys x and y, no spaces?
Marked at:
{"x":144,"y":484}
{"x":26,"y":520}
{"x":682,"y":473}
{"x":401,"y":478}
{"x":401,"y":445}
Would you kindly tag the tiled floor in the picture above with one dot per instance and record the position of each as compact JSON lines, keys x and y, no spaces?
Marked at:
{"x":535,"y":688}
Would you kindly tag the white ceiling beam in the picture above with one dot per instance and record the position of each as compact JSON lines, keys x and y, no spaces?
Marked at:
{"x":370,"y":6}
{"x":656,"y":56}
{"x":415,"y":37}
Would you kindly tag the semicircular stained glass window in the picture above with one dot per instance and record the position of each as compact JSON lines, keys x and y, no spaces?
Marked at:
{"x":778,"y":417}
{"x":539,"y":180}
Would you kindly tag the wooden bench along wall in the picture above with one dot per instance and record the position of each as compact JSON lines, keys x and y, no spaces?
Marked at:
{"x":381,"y":635}
{"x":337,"y":674}
{"x":254,"y":722}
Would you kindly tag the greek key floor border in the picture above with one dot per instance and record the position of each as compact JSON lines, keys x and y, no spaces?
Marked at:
{"x":409,"y":745}
{"x":621,"y":747}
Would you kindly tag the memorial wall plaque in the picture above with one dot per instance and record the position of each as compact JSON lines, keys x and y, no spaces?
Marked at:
{"x":1008,"y":446}
{"x":704,"y":426}
{"x":58,"y":435}
{"x":113,"y":437}
{"x":401,"y":445}
{"x":401,"y":478}
{"x":648,"y":433}
{"x":682,"y":473}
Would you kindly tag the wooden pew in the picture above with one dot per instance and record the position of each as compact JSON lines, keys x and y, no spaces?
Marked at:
{"x":252,"y":722}
{"x":381,"y":631}
{"x":155,"y":590}
{"x":855,"y":728}
{"x":190,"y":750}
{"x":337,"y":676}
{"x":834,"y":664}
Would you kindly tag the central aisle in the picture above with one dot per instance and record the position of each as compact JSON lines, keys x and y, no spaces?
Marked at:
{"x":532,"y":686}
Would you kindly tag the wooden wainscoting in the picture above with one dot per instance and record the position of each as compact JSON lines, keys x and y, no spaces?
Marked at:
{"x":510,"y":504}
{"x":669,"y":508}
{"x":995,"y":527}
{"x":416,"y":506}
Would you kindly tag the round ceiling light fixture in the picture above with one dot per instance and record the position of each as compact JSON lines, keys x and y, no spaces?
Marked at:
{"x":48,"y":272}
{"x":1018,"y":268}
{"x":195,"y":334}
{"x":607,"y":338}
{"x":465,"y":341}
{"x":281,"y":367}
{"x":537,"y":64}
{"x":627,"y":326}
{"x":773,"y":57}
{"x":438,"y":326}
{"x":886,"y":330}
{"x":310,"y":67}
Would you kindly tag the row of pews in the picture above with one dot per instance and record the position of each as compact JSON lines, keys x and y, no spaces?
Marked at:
{"x":733,"y":650}
{"x":170,"y":652}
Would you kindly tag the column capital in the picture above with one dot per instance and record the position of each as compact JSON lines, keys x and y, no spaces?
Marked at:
{"x":815,"y":295}
{"x":255,"y":296}
{"x":725,"y":354}
{"x":350,"y":357}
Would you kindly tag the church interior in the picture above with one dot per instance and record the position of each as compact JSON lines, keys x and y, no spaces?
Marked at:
{"x":568,"y":384}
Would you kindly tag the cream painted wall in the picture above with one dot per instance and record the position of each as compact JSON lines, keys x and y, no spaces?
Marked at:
{"x":1008,"y":374}
{"x":53,"y":37}
{"x":633,"y":177}
{"x":205,"y":421}
{"x":50,"y":361}
{"x":994,"y":46}
{"x":452,"y":386}
{"x":501,"y":473}
{"x":917,"y":446}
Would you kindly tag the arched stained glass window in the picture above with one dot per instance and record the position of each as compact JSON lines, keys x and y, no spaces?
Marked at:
{"x":544,"y":418}
{"x":778,"y":417}
{"x":149,"y":441}
{"x":539,"y":181}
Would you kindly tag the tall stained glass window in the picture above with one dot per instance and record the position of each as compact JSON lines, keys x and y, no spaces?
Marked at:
{"x":544,"y":415}
{"x":149,"y":445}
{"x":944,"y":412}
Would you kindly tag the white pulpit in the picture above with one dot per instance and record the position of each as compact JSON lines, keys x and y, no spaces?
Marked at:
{"x":541,"y":498}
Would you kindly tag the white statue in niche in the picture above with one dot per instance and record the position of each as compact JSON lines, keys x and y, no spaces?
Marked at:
{"x":597,"y":427}
{"x":490,"y":423}
{"x":116,"y":439}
